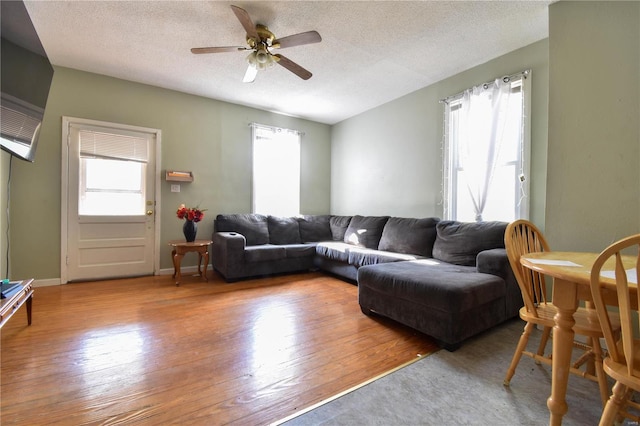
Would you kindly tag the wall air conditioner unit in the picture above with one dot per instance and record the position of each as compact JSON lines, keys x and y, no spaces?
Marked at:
{"x":20,"y":126}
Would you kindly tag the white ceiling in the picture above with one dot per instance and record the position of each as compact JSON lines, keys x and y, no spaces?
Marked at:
{"x":371,"y":51}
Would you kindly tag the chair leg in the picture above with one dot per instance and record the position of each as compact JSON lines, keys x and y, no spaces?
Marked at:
{"x":546,"y":332}
{"x":602,"y":377}
{"x":614,"y":405}
{"x":625,"y":412}
{"x":522,"y":344}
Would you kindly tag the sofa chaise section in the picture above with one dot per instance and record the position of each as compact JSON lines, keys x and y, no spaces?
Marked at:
{"x":467,"y":288}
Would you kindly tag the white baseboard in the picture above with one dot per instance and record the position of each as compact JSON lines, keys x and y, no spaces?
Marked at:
{"x":47,"y":282}
{"x":183,"y":270}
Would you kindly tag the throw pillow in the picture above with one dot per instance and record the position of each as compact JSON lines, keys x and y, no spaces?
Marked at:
{"x":314,"y":228}
{"x":460,"y":242}
{"x":339,"y":225}
{"x":409,"y":236}
{"x":253,"y":226}
{"x":283,"y":230}
{"x":365,"y":231}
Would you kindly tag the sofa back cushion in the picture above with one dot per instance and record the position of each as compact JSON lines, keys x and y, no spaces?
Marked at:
{"x":409,"y":236}
{"x":314,"y":228}
{"x":365,"y":231}
{"x":339,"y":225}
{"x":283,"y":230}
{"x":254,"y":227}
{"x":460,"y":242}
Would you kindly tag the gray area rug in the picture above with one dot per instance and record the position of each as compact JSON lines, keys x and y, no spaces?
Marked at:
{"x":462,"y":388}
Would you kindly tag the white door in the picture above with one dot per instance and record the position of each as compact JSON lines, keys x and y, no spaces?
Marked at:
{"x":110,"y":226}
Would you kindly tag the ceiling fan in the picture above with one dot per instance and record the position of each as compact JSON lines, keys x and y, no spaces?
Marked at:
{"x":262,"y":42}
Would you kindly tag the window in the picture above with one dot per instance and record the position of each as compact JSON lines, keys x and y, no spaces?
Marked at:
{"x":276,"y":171}
{"x":112,"y":174}
{"x":486,"y":151}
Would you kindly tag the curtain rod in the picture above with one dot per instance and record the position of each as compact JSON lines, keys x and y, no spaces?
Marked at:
{"x":506,"y":79}
{"x":276,"y":128}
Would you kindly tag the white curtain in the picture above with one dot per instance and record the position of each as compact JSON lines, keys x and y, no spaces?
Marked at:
{"x":482,"y":122}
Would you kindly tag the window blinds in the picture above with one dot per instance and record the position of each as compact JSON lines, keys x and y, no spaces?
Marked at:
{"x":17,"y":126}
{"x":95,"y":144}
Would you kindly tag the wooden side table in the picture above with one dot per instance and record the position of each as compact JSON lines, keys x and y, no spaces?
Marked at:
{"x":180,"y":248}
{"x":11,"y":304}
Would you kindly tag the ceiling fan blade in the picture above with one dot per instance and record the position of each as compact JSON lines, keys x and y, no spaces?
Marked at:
{"x":293,"y":67}
{"x":199,"y":50}
{"x":246,"y":22}
{"x":250,"y":75}
{"x":298,"y":39}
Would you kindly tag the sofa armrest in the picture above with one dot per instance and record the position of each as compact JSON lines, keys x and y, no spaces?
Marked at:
{"x":496,"y":262}
{"x":230,"y":240}
{"x":227,"y":251}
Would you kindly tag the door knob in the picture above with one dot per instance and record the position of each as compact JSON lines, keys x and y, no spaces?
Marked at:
{"x":149,"y":212}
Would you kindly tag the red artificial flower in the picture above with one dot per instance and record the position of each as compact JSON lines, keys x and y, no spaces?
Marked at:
{"x":190,"y":213}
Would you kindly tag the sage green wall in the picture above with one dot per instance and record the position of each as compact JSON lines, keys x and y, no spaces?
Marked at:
{"x":593,"y":196}
{"x":388,"y":161}
{"x":208,"y":137}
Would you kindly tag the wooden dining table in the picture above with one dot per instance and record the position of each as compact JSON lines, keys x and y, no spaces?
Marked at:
{"x":571,"y":272}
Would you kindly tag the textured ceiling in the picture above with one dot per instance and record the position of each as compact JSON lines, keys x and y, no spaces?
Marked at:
{"x":371,"y":51}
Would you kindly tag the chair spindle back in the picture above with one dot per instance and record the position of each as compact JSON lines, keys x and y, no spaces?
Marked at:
{"x":523,"y":237}
{"x":611,"y":260}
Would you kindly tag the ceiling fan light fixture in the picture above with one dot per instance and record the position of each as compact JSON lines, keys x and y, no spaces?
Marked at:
{"x":251,"y":58}
{"x":262,"y":56}
{"x":261,"y":59}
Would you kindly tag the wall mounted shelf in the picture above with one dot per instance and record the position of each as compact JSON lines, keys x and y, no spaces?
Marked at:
{"x":176,"y":176}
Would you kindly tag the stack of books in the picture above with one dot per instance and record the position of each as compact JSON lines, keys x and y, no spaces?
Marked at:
{"x":9,"y":288}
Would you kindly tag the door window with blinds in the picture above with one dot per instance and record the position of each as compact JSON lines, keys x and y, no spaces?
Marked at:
{"x":112,"y":173}
{"x":276,"y":171}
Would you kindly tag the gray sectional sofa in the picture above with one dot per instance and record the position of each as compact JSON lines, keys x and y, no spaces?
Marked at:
{"x":450,"y":280}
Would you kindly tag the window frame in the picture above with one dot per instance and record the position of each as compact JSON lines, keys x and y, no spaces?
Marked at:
{"x":451,"y":163}
{"x":295,"y":183}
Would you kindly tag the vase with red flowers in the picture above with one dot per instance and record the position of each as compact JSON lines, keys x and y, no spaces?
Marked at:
{"x":192,"y":216}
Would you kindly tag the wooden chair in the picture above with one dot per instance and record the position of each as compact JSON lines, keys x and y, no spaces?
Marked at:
{"x":522,"y":237}
{"x":617,"y":365}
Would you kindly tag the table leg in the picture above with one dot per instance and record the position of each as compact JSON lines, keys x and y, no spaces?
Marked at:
{"x":173,"y":259}
{"x":206,"y":263}
{"x":177,"y":259}
{"x":29,"y":302}
{"x":565,"y":299}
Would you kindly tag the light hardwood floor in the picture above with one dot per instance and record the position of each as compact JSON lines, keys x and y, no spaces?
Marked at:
{"x":143,"y":351}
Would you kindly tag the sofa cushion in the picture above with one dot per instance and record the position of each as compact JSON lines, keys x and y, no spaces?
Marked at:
{"x":283,"y":230}
{"x":460,"y":242}
{"x":436,"y":285}
{"x":264,"y":252}
{"x":365,"y":231}
{"x":339,"y":225}
{"x":300,"y":250}
{"x":333,"y":250}
{"x":362,"y":256}
{"x":254,"y":227}
{"x":409,"y":236}
{"x":314,"y":228}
